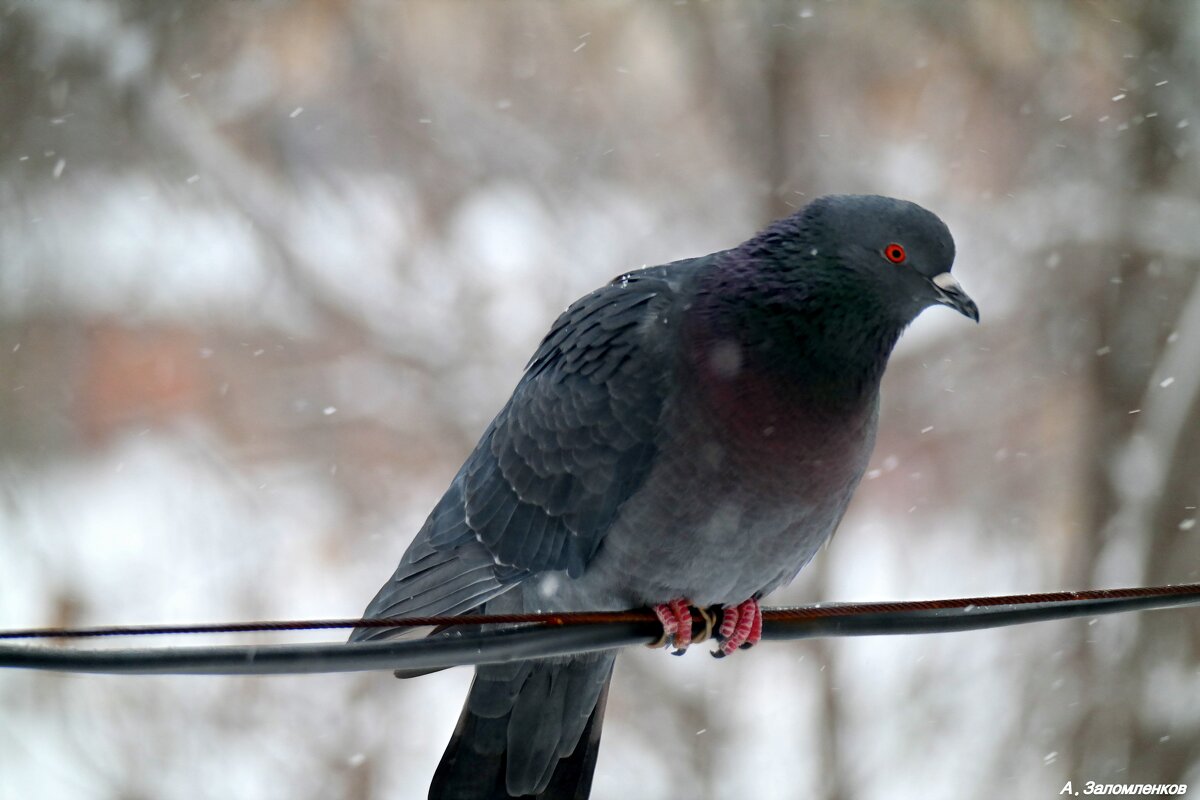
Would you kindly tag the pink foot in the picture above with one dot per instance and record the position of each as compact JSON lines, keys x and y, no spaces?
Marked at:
{"x":741,"y":626}
{"x":676,"y":619}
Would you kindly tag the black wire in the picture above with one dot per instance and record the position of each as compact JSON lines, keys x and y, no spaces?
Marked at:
{"x":448,"y":650}
{"x":516,"y":644}
{"x":950,"y":620}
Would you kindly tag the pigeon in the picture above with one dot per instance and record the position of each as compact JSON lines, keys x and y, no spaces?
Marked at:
{"x":688,"y":435}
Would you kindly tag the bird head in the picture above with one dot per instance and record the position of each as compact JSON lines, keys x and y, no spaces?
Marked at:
{"x":896,"y":246}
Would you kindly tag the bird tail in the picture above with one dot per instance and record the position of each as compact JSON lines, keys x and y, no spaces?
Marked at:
{"x":528,"y":729}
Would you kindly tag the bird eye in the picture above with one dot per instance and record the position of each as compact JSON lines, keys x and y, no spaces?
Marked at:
{"x":894,"y":253}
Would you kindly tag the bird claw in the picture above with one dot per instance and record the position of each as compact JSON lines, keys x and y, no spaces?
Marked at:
{"x":741,"y":627}
{"x":677,"y":619}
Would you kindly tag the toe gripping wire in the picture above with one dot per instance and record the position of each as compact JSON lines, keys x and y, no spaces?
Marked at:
{"x":493,"y":639}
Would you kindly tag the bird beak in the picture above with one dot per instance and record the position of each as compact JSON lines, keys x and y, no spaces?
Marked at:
{"x":949,"y":293}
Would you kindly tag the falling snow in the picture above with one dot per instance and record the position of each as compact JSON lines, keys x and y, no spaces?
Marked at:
{"x":462,"y":174}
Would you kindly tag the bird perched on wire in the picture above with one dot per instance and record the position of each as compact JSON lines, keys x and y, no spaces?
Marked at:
{"x":688,"y":435}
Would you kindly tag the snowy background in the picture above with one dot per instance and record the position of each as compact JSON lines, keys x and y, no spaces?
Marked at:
{"x":267,"y":270}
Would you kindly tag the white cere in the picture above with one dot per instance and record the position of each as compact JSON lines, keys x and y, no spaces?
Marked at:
{"x":945,"y":280}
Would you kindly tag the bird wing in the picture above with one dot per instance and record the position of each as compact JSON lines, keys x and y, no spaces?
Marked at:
{"x":545,"y":482}
{"x":578,"y":436}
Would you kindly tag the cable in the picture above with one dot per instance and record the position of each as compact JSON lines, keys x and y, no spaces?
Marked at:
{"x":555,"y":636}
{"x":417,"y":654}
{"x":598,"y":617}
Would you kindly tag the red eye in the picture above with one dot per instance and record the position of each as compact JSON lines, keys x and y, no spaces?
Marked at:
{"x":894,"y":253}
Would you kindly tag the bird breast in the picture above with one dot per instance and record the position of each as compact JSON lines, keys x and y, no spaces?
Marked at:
{"x":749,"y":482}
